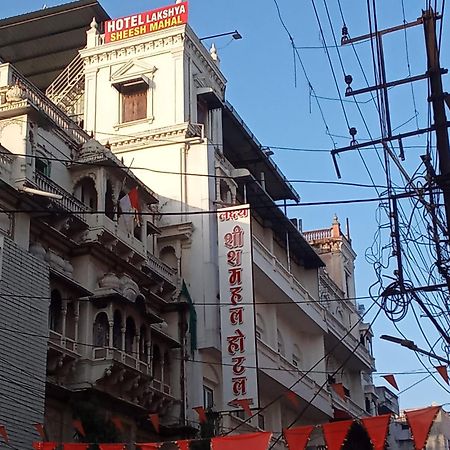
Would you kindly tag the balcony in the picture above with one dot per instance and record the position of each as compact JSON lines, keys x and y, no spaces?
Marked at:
{"x":288,"y":284}
{"x":67,"y":203}
{"x":119,"y":356}
{"x":270,"y":363}
{"x":348,"y":405}
{"x":315,"y":235}
{"x":21,"y":95}
{"x":339,"y":336}
{"x":62,"y":355}
{"x":161,"y":269}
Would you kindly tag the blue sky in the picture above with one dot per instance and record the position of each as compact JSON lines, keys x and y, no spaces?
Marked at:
{"x":281,"y":111}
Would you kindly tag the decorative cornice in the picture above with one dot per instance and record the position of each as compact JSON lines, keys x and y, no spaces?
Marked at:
{"x":159,"y":136}
{"x":113,"y":52}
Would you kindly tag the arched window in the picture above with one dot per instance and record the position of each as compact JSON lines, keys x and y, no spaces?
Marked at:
{"x":280,"y":344}
{"x":117,"y":330}
{"x":157,"y":366}
{"x":130,"y":334}
{"x":55,"y":313}
{"x":101,"y":330}
{"x":225,"y":193}
{"x":143,"y":343}
{"x":86,"y":192}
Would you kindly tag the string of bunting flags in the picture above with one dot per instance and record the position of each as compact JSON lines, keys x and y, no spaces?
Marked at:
{"x":335,"y":434}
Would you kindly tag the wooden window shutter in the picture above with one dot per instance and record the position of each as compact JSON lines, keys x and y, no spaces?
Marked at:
{"x":134,"y":102}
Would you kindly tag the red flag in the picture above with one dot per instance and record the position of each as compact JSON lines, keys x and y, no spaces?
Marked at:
{"x":442,"y":370}
{"x":298,"y":437}
{"x":335,"y":433}
{"x":134,"y":198}
{"x":4,"y":433}
{"x":377,"y":428}
{"x":420,"y":422}
{"x":293,"y":398}
{"x":339,"y":389}
{"x":117,"y":423}
{"x":78,"y":425}
{"x":183,"y":445}
{"x":76,"y":446}
{"x":201,"y":413}
{"x":150,"y":446}
{"x":391,"y":380}
{"x":111,"y":446}
{"x":44,"y":445}
{"x":253,"y":441}
{"x":244,"y":403}
{"x":154,"y":419}
{"x":40,"y":429}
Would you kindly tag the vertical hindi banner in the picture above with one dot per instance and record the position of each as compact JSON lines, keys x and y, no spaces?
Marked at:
{"x":237,"y":310}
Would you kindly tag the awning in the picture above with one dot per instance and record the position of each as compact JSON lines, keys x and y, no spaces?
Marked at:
{"x":243,"y":150}
{"x":42,"y":43}
{"x":284,"y":230}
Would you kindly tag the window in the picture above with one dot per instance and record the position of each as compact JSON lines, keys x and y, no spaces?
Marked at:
{"x":101,"y":330}
{"x":260,"y":327}
{"x":43,"y":166}
{"x":208,"y":397}
{"x":134,"y":101}
{"x":202,"y":114}
{"x":117,"y":330}
{"x":130,"y":334}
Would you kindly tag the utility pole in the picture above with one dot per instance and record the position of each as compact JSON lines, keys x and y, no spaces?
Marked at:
{"x":437,"y":99}
{"x":401,"y":287}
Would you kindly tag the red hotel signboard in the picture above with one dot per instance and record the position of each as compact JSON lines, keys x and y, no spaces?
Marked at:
{"x":147,"y":22}
{"x":237,"y":311}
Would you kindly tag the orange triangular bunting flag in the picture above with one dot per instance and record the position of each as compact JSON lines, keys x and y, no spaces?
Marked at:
{"x":40,"y":429}
{"x":253,"y":441}
{"x":339,"y":389}
{"x":44,"y":445}
{"x":391,"y":380}
{"x":442,"y":370}
{"x":154,"y":419}
{"x":183,"y":445}
{"x":78,"y":425}
{"x":377,"y":428}
{"x":244,"y":403}
{"x":298,"y":437}
{"x":150,"y":446}
{"x":4,"y":433}
{"x":293,"y":398}
{"x":420,"y":422}
{"x":335,"y":433}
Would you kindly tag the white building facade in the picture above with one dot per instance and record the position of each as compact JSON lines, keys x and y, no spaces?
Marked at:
{"x":156,"y":102}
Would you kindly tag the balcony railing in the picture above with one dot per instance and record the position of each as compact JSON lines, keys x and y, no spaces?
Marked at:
{"x":62,"y":341}
{"x":161,"y":269}
{"x":113,"y":354}
{"x":290,"y":278}
{"x":342,"y":333}
{"x":68,"y":202}
{"x":315,"y":235}
{"x":53,"y":112}
{"x":348,"y":405}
